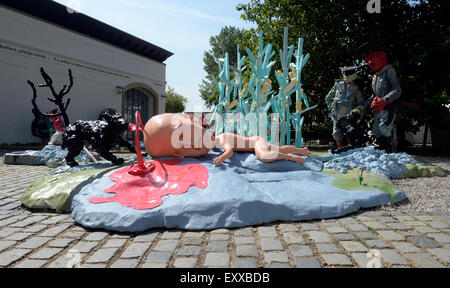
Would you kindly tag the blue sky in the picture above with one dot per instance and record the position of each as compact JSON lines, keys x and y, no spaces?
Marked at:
{"x":182,"y":27}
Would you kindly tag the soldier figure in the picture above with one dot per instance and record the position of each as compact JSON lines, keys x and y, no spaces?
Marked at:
{"x":341,"y":102}
{"x":386,"y":92}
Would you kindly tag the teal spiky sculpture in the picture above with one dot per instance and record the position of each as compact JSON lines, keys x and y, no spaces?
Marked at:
{"x":243,"y":108}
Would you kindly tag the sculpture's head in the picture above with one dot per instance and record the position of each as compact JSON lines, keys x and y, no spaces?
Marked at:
{"x":116,"y":123}
{"x":376,"y":60}
{"x":175,"y":135}
{"x":374,"y":55}
{"x":349,"y":74}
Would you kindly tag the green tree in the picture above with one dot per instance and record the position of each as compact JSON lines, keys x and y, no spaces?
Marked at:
{"x":226,"y":41}
{"x":418,"y":34}
{"x":175,"y":103}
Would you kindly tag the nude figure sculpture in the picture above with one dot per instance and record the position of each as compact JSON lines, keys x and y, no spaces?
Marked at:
{"x":175,"y":135}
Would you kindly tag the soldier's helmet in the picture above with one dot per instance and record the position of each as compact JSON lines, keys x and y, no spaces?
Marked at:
{"x":374,"y":45}
{"x":349,"y":73}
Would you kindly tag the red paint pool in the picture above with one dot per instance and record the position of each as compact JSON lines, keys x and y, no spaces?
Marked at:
{"x":146,"y":192}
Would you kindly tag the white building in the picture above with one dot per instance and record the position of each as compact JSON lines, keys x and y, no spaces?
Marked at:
{"x":111,"y":69}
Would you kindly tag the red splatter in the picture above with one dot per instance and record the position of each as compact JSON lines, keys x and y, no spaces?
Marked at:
{"x":145,"y":192}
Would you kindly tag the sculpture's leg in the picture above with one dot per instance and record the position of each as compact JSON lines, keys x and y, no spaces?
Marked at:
{"x":292,"y":149}
{"x":381,"y":142}
{"x":110,"y":157}
{"x":388,"y":144}
{"x":126,"y":144}
{"x":270,"y":153}
{"x":75,"y":148}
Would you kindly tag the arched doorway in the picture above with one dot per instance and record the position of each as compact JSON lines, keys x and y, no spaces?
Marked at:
{"x":138,"y":99}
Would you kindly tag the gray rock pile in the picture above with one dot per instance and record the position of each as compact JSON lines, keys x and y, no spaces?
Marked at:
{"x":53,"y":156}
{"x":375,"y":161}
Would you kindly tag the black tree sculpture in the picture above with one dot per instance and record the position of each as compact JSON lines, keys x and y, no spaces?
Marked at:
{"x":58,"y":97}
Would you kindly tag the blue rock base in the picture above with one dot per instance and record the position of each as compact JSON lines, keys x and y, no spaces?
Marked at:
{"x":242,"y":192}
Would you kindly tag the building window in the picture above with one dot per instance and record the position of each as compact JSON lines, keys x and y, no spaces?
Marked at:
{"x":137,"y":99}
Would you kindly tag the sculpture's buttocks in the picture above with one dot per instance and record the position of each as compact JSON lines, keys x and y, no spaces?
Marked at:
{"x":176,"y":135}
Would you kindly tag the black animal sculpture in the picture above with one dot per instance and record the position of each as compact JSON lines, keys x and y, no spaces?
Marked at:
{"x":102,"y":135}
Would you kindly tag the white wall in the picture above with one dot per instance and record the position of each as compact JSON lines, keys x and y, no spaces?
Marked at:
{"x":418,"y":137}
{"x":98,"y":68}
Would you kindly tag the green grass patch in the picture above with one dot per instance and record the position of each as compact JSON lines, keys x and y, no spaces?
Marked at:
{"x":371,"y":182}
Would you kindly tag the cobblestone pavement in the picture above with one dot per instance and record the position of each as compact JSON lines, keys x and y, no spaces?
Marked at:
{"x":42,"y":239}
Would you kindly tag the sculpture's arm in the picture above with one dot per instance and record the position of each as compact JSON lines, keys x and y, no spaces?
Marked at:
{"x":227,"y":154}
{"x":330,"y":97}
{"x":396,"y":91}
{"x":360,"y":101}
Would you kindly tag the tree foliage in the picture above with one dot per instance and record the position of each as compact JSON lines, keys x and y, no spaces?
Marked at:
{"x":175,"y":103}
{"x":417,"y":33}
{"x":226,"y":41}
